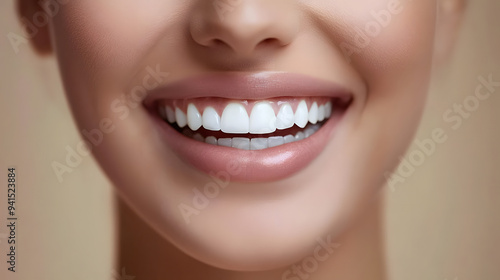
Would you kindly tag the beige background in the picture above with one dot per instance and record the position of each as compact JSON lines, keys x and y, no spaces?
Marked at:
{"x":442,"y":223}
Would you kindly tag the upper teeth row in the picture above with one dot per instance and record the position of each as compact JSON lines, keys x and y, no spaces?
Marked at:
{"x":235,"y":118}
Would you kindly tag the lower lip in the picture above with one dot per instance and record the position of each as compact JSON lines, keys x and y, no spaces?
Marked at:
{"x":249,"y":166}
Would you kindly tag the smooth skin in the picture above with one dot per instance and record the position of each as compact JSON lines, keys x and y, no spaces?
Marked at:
{"x":258,"y":230}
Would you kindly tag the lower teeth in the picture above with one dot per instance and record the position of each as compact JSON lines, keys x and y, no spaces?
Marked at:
{"x":244,"y":143}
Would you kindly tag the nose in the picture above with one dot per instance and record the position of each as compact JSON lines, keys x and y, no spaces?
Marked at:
{"x":244,"y":26}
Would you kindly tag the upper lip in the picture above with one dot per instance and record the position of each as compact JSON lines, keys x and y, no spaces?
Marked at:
{"x":248,"y":86}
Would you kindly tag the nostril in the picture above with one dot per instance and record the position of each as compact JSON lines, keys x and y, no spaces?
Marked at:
{"x":218,"y":42}
{"x":252,"y":26}
{"x":270,"y":42}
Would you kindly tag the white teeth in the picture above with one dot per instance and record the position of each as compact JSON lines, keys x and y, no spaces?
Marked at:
{"x":258,"y":144}
{"x":308,"y":132}
{"x":313,"y":113}
{"x":211,"y":120}
{"x":180,"y":118}
{"x":285,"y":118}
{"x":211,"y":140}
{"x":328,"y":109}
{"x":235,"y":119}
{"x":198,"y":137}
{"x":170,"y":114}
{"x":300,"y":136}
{"x":254,"y":144}
{"x":241,"y":143}
{"x":193,"y":117}
{"x":321,"y":113}
{"x":262,"y":119}
{"x":289,"y":139}
{"x":225,"y":142}
{"x":301,"y":115}
{"x":276,"y":141}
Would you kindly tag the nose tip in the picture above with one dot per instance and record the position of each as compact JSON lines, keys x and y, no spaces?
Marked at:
{"x":244,"y":26}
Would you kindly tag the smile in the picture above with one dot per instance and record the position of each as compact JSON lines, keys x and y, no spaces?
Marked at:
{"x":271,"y":123}
{"x":275,"y":124}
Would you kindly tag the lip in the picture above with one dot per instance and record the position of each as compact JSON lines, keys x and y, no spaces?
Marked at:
{"x":262,"y":85}
{"x":256,"y":166}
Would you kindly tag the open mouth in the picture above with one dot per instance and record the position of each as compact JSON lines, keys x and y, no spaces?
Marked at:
{"x":248,"y":125}
{"x":272,"y":125}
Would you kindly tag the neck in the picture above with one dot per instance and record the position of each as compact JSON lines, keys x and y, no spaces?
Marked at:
{"x":146,"y":255}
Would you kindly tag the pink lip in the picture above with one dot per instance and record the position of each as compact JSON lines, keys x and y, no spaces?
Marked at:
{"x":256,"y":166}
{"x":260,"y":85}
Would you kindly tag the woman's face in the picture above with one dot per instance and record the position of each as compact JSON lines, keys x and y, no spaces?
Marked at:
{"x":253,"y":75}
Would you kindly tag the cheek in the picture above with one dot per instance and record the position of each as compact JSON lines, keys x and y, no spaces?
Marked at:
{"x":109,"y":39}
{"x":101,"y":49}
{"x":108,"y":34}
{"x":392,"y":53}
{"x":392,"y":44}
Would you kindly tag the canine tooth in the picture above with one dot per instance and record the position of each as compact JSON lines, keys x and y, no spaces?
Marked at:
{"x":180,"y":117}
{"x":211,"y":120}
{"x":300,"y":136}
{"x":170,"y":114}
{"x":321,"y":113}
{"x":225,"y":142}
{"x":211,"y":140}
{"x":276,"y":141}
{"x":289,"y":139}
{"x":262,"y":119}
{"x":258,"y":144}
{"x":328,"y":109}
{"x":235,"y":119}
{"x":301,"y":114}
{"x":308,"y":132}
{"x":241,"y":143}
{"x":193,"y":117}
{"x":285,"y":118}
{"x":313,"y":113}
{"x":198,"y":137}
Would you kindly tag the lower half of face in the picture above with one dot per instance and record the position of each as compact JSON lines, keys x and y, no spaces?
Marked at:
{"x":242,"y":131}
